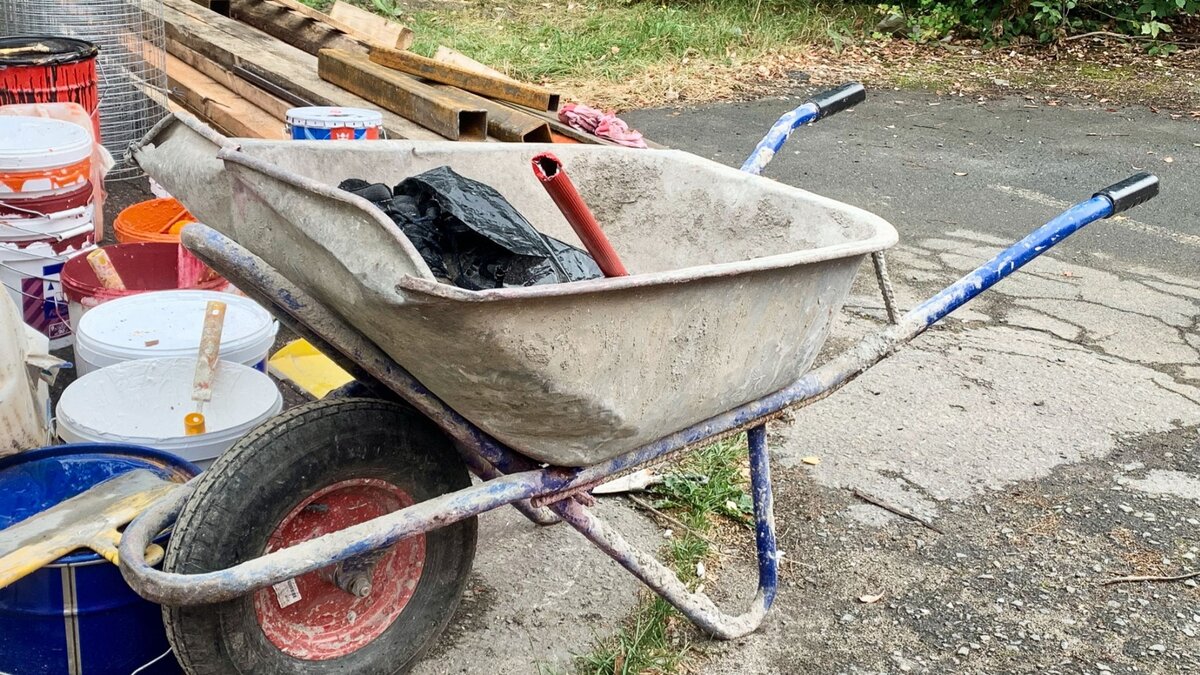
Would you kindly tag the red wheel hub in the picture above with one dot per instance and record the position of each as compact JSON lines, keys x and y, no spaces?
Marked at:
{"x":310,"y":617}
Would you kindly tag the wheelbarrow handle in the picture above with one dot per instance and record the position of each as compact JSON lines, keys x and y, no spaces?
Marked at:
{"x":1137,"y":189}
{"x":838,"y":99}
{"x":1106,"y":203}
{"x":818,"y":107}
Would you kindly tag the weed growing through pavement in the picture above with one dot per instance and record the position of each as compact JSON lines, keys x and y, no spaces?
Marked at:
{"x":705,"y":491}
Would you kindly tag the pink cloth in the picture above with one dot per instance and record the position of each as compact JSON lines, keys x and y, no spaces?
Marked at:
{"x":601,"y":124}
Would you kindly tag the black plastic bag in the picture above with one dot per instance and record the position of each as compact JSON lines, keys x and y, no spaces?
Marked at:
{"x":470,"y":235}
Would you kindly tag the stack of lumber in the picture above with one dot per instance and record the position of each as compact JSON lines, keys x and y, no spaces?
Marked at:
{"x":241,"y":64}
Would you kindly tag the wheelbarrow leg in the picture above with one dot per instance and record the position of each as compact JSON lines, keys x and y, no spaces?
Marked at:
{"x":697,"y":607}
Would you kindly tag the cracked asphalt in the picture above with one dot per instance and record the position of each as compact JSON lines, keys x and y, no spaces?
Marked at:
{"x":1051,"y":430}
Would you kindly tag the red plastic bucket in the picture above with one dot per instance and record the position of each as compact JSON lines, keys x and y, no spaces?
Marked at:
{"x":143,"y":267}
{"x":41,"y":69}
{"x":32,"y":208}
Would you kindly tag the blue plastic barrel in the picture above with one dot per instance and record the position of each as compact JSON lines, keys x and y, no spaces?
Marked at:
{"x":77,"y":616}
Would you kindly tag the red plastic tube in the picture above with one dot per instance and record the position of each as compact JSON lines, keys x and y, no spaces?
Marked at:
{"x":549,"y":171}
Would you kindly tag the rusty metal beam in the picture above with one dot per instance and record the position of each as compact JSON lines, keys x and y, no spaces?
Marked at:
{"x":504,"y":123}
{"x":431,"y":107}
{"x":501,"y":89}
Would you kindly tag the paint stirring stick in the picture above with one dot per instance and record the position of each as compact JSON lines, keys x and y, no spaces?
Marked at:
{"x":206,"y":365}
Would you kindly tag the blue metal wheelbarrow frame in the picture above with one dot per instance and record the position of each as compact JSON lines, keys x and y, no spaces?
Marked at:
{"x":547,"y":494}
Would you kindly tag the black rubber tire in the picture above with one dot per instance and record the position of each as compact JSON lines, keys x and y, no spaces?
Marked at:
{"x":249,"y":490}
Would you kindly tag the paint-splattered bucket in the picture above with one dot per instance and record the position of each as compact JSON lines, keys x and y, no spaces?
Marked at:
{"x":31,"y":273}
{"x":34,"y":225}
{"x":77,"y":615}
{"x":42,"y":158}
{"x":25,"y":208}
{"x":334,"y":124}
{"x":143,"y":266}
{"x":152,"y":220}
{"x":35,"y":69}
{"x":145,"y":401}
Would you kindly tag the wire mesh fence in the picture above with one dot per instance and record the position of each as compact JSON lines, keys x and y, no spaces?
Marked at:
{"x":132,"y":62}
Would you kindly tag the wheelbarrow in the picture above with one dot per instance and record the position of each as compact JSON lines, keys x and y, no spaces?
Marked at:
{"x":339,"y":535}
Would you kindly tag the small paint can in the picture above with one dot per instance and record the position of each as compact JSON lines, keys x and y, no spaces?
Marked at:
{"x":334,"y":124}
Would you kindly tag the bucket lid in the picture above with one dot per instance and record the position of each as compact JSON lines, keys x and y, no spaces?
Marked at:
{"x":43,"y":50}
{"x":31,"y":143}
{"x":144,"y":402}
{"x":169,"y":323}
{"x":323,"y":117}
{"x":33,"y":481}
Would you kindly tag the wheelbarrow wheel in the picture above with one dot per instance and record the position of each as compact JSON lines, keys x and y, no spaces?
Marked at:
{"x":316,"y":469}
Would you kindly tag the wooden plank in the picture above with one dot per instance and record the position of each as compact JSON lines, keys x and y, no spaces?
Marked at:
{"x":380,"y":31}
{"x":431,"y":107}
{"x":207,"y":98}
{"x":455,"y":58}
{"x":305,"y":10}
{"x":276,"y":107}
{"x":504,"y":89}
{"x":234,"y":46}
{"x":297,"y":28}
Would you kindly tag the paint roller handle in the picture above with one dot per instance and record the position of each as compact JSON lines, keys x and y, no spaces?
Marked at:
{"x":106,"y":272}
{"x":210,"y":350}
{"x":1137,"y":189}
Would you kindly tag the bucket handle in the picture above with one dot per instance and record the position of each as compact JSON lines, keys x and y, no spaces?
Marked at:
{"x":41,"y":298}
{"x":61,"y":236}
{"x":78,"y":210}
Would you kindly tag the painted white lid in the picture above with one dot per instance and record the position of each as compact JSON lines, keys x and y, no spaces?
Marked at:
{"x":171,"y":321}
{"x":145,"y":401}
{"x":324,"y":117}
{"x":31,"y":143}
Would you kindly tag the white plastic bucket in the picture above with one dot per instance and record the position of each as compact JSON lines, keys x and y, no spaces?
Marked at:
{"x":46,"y":225}
{"x":41,"y":157}
{"x":144,"y":402}
{"x":164,"y":324}
{"x":30,"y":271}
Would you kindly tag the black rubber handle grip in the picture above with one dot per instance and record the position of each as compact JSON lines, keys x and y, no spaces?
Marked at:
{"x":838,"y":99}
{"x":1136,"y":189}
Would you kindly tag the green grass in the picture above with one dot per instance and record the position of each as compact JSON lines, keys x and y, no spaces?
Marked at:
{"x":613,"y":39}
{"x":621,"y":51}
{"x":705,"y":488}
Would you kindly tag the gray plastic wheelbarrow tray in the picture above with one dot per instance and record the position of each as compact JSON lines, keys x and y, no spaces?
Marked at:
{"x":735,"y":279}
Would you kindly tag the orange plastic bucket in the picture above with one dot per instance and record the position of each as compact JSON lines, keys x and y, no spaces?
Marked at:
{"x":152,"y":220}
